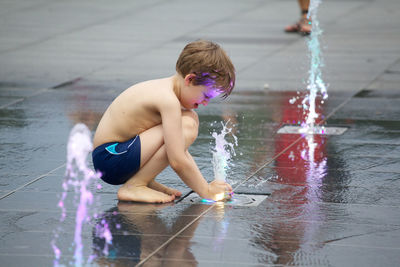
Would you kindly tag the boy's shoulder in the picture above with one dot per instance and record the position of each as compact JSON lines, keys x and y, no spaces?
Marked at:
{"x":158,"y":92}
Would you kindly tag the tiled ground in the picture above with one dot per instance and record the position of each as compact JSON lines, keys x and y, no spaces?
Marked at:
{"x":332,"y":200}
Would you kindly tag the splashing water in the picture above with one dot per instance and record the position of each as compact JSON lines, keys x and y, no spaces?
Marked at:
{"x":79,"y":176}
{"x":315,"y":83}
{"x":222,"y":152}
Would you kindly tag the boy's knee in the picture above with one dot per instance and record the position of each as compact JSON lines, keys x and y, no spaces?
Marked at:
{"x":191,"y":115}
{"x":190,"y":125}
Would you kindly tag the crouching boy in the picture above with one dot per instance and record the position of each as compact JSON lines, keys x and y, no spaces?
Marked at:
{"x":152,"y":124}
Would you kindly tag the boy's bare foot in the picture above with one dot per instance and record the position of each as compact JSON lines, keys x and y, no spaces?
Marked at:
{"x":164,"y":189}
{"x":143,"y":194}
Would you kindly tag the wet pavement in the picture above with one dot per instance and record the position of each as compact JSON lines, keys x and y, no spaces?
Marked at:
{"x":330,"y":200}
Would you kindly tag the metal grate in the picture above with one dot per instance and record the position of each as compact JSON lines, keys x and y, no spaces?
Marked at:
{"x":237,"y":200}
{"x":323,"y":130}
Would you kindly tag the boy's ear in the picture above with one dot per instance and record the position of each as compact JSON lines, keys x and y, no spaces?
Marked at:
{"x":189,"y":78}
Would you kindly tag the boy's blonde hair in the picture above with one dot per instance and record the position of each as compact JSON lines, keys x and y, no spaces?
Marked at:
{"x":211,"y":65}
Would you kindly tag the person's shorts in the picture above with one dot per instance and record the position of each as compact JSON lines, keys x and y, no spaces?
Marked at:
{"x":117,"y":162}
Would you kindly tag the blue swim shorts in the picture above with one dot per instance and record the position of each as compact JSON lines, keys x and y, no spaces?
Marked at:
{"x":117,"y":162}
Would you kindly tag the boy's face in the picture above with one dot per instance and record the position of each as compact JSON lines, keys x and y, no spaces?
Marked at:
{"x":195,"y":95}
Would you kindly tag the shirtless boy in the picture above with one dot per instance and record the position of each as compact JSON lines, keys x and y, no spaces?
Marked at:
{"x":152,"y":124}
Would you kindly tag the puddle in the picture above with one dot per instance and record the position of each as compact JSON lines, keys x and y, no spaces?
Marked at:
{"x":294,"y":129}
{"x":242,"y":200}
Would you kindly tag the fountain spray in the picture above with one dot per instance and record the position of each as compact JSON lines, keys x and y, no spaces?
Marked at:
{"x":80,"y":177}
{"x":222,"y":152}
{"x":315,"y":82}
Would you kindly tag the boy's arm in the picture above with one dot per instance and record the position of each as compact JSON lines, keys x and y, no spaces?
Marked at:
{"x":180,"y":160}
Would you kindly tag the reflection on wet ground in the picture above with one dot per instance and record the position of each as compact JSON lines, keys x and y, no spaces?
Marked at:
{"x":140,"y":229}
{"x":331,"y":198}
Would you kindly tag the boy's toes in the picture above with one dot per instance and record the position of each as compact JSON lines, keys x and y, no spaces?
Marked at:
{"x":177,"y":193}
{"x":169,"y":199}
{"x":164,"y":189}
{"x":173,"y":192}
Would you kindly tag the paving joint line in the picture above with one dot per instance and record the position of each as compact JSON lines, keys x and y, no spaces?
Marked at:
{"x":40,"y":91}
{"x":174,"y":236}
{"x":269,"y":161}
{"x":30,"y":182}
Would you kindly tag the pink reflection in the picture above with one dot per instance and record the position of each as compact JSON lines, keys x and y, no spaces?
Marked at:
{"x":305,"y":162}
{"x":303,"y":167}
{"x":299,"y":174}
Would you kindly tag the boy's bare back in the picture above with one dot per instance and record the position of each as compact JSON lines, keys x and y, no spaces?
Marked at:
{"x":135,"y":110}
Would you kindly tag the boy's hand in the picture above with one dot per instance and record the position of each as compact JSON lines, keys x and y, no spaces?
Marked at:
{"x":219,"y":190}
